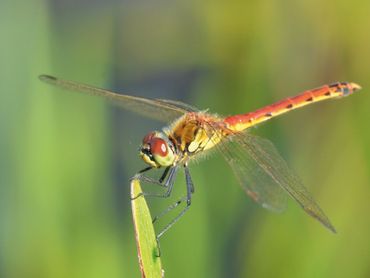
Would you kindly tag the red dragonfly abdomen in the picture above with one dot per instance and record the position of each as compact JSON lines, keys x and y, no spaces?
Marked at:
{"x":243,"y":121}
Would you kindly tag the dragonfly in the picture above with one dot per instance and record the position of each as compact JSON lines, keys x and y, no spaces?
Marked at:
{"x":191,"y":133}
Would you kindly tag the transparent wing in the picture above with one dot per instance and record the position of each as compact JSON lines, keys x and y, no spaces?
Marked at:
{"x":257,"y":183}
{"x":264,"y":175}
{"x":158,"y":109}
{"x":178,"y":104}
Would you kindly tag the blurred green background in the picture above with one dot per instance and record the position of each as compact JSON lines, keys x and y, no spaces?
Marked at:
{"x":66,"y":159}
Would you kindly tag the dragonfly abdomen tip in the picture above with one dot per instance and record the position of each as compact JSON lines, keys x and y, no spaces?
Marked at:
{"x":355,"y":86}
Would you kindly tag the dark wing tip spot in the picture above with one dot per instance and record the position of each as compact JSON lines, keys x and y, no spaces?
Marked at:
{"x":47,"y":78}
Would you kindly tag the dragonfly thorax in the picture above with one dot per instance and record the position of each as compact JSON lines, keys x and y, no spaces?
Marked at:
{"x":157,"y":150}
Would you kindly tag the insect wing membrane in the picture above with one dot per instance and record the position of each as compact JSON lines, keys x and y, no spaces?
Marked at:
{"x":260,"y":168}
{"x":256,"y":182}
{"x":161,"y":110}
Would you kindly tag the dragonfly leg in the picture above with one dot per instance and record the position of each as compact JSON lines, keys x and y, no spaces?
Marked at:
{"x":145,"y":169}
{"x":171,"y":207}
{"x":141,"y":177}
{"x":164,"y":175}
{"x":189,"y":183}
{"x":169,"y":183}
{"x":189,"y":191}
{"x":168,"y":209}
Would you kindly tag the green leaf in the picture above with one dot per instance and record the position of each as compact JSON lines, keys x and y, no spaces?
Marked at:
{"x":147,"y":248}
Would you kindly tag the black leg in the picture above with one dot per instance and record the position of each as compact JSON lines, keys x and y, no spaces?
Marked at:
{"x":189,"y":183}
{"x":168,"y":209}
{"x":164,"y":175}
{"x":159,"y":182}
{"x":168,"y":184}
{"x":189,"y":190}
{"x":145,"y":169}
{"x":171,"y":172}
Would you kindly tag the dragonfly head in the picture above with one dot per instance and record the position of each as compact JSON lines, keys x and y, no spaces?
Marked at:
{"x":157,"y":150}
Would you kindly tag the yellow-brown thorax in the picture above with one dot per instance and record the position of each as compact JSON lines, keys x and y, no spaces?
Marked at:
{"x":196,"y":132}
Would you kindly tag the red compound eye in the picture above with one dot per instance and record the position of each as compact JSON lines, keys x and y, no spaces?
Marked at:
{"x":148,"y":138}
{"x":158,"y":147}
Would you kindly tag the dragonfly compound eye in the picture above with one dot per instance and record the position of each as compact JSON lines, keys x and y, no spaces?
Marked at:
{"x":157,"y":150}
{"x":159,"y":147}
